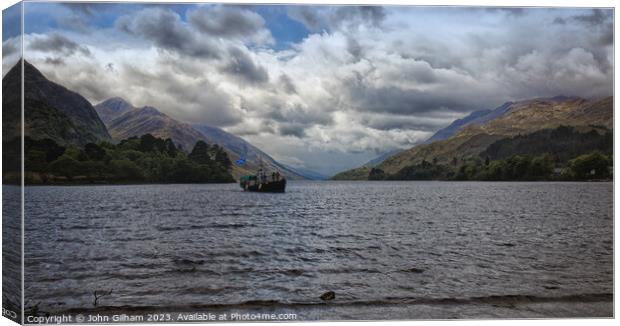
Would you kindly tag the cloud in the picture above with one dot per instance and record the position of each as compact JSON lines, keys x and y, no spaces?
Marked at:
{"x":316,"y":18}
{"x":78,"y":16}
{"x":11,"y":46}
{"x":11,"y":53}
{"x":167,"y":31}
{"x":594,"y":17}
{"x":292,"y":129}
{"x":56,"y":44}
{"x":287,"y":85}
{"x":514,"y":11}
{"x":197,"y":39}
{"x":241,"y":65}
{"x":88,"y":9}
{"x":54,"y":61}
{"x":230,"y":22}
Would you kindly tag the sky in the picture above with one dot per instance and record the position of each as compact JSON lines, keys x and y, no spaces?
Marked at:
{"x":326,"y":88}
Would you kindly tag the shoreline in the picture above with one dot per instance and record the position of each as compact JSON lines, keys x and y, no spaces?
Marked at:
{"x":318,"y":181}
{"x":491,"y":307}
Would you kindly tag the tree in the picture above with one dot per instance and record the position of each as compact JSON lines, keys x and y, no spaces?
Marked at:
{"x":517,"y":167}
{"x":200,"y":154}
{"x":594,"y":165}
{"x":170,"y":149}
{"x":126,"y":170}
{"x":66,"y":166}
{"x":496,"y":170}
{"x":75,"y":153}
{"x":94,"y":169}
{"x":147,"y":143}
{"x":94,"y":152}
{"x":49,"y":147}
{"x":35,"y":161}
{"x":144,"y":159}
{"x":376,"y":174}
{"x":221,"y":157}
{"x":541,"y":167}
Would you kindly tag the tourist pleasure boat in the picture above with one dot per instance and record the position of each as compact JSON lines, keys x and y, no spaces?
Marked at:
{"x":263,"y":182}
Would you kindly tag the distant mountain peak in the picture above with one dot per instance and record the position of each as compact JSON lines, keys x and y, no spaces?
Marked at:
{"x":151,"y":110}
{"x":116,"y":101}
{"x":112,"y":108}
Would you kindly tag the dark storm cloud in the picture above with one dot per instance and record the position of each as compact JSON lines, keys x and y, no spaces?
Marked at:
{"x":226,"y":21}
{"x":82,"y":7}
{"x":292,"y":129}
{"x":80,"y":15}
{"x":354,"y":48}
{"x":371,"y":15}
{"x":57,"y":44}
{"x":296,"y":114}
{"x":54,"y":61}
{"x":306,"y":15}
{"x":559,"y":21}
{"x":287,"y":84}
{"x":317,"y":18}
{"x":594,"y":17}
{"x":508,"y":10}
{"x":243,"y":67}
{"x":165,"y":29}
{"x":395,"y":100}
{"x":607,"y":34}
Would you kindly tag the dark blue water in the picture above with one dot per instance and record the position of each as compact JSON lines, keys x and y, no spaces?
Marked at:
{"x":375,"y":244}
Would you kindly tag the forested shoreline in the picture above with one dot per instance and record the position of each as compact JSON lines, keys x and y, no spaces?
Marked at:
{"x":144,"y":159}
{"x":560,"y":154}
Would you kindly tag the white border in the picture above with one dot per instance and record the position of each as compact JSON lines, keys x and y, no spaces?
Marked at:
{"x":490,"y":3}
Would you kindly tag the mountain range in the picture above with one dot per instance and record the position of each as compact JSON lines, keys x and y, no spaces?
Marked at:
{"x":124,"y":120}
{"x":64,"y":116}
{"x":466,"y":138}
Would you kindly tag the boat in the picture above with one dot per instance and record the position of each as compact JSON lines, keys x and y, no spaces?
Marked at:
{"x":263,"y":182}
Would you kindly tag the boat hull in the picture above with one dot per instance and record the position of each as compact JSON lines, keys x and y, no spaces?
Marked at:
{"x":273,"y":186}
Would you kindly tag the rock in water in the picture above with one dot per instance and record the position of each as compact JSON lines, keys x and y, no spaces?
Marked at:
{"x":329,"y":295}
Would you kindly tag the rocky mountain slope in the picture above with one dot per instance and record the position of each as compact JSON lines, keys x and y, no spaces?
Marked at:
{"x":474,"y":118}
{"x":112,"y":108}
{"x":50,"y":110}
{"x":124,"y":120}
{"x":148,"y":120}
{"x":253,"y":155}
{"x":518,"y":118}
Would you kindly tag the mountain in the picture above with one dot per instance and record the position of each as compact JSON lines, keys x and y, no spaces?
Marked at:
{"x":124,"y":120}
{"x":474,"y":118}
{"x":379,"y":159}
{"x":509,"y":120}
{"x":149,"y":120}
{"x":50,"y":110}
{"x":306,"y":173}
{"x":112,"y":108}
{"x":252,"y":155}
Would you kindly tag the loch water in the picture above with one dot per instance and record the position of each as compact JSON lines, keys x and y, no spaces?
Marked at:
{"x":388,"y":250}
